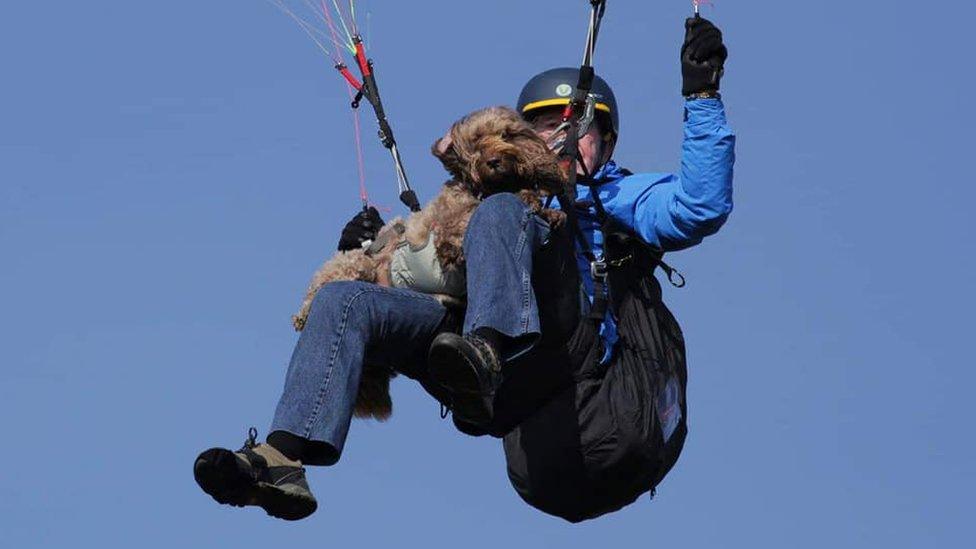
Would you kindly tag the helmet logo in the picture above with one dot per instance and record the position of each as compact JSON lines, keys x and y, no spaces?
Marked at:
{"x":564,"y":90}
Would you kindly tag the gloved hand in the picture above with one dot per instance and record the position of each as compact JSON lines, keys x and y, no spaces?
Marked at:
{"x":360,"y":229}
{"x":703,"y":57}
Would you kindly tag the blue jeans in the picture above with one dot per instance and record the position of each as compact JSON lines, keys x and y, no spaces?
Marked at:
{"x":354,"y":322}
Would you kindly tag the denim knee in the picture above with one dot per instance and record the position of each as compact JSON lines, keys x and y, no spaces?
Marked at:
{"x":502,"y":207}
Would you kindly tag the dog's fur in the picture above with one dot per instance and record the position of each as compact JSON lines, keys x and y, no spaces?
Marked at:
{"x":488,"y":151}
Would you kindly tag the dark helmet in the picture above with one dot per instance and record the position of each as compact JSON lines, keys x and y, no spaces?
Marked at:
{"x":555,"y":87}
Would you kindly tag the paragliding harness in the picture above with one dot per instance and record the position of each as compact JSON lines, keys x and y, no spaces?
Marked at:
{"x":628,"y":414}
{"x":618,"y":429}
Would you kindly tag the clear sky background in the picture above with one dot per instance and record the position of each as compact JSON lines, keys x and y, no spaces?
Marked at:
{"x":171,"y":173}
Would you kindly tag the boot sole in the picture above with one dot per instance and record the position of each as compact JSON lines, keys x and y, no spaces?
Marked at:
{"x":451,"y":369}
{"x":220,"y":474}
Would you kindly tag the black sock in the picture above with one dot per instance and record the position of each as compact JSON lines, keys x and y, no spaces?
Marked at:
{"x":309,"y":452}
{"x":292,"y":446}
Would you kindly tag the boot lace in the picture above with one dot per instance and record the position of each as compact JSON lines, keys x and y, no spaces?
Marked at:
{"x":252,"y":439}
{"x":488,"y":352}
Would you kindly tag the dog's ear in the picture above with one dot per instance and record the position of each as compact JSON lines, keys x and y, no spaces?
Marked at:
{"x":443,"y":150}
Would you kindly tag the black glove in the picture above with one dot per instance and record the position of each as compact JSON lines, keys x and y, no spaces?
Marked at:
{"x":703,"y":57}
{"x":360,"y":229}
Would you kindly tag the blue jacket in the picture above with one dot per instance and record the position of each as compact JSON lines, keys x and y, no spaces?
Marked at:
{"x":669,"y":211}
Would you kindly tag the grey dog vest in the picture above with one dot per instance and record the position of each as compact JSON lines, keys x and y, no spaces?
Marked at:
{"x":417,"y":269}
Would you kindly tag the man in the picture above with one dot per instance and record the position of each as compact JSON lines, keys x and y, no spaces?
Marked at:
{"x":351,"y":322}
{"x":668,"y":211}
{"x":616,"y":430}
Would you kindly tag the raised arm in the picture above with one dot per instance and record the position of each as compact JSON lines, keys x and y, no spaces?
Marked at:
{"x":678,"y":211}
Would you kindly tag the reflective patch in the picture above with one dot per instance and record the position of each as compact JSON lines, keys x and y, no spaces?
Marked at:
{"x":669,"y":408}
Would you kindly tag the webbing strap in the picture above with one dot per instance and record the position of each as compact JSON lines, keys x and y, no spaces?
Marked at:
{"x":598,"y":267}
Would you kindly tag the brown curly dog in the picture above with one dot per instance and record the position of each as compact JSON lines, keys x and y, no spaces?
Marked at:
{"x":488,"y":151}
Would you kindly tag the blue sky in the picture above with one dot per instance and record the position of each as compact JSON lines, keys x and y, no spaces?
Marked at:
{"x":171,"y":173}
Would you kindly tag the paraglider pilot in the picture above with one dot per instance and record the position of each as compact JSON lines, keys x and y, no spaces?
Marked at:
{"x":509,"y":324}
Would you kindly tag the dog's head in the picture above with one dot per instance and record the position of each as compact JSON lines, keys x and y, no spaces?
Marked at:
{"x":493,"y":150}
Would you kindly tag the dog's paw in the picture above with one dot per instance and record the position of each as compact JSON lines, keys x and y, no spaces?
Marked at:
{"x":555,"y":218}
{"x":532,"y":199}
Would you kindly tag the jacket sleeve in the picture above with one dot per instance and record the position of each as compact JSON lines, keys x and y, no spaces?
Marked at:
{"x":678,"y":211}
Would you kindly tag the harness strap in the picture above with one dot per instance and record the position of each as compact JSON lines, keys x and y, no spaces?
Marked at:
{"x":674,"y":276}
{"x":599,"y":269}
{"x":600,"y":266}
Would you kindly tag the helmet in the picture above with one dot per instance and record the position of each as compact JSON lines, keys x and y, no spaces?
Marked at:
{"x":555,"y":87}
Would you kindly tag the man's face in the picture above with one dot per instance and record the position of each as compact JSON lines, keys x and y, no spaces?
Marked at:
{"x":546,"y":122}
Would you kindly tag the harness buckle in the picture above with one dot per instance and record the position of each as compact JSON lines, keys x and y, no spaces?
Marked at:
{"x":599,"y":269}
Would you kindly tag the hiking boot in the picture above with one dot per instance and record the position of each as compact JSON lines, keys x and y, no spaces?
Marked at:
{"x":257,"y":474}
{"x":469,"y":369}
